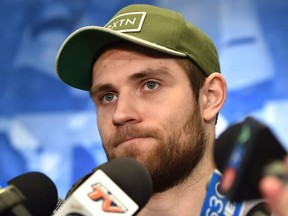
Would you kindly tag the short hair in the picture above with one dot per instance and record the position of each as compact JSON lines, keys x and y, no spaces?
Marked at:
{"x":195,"y":74}
{"x":196,"y":77}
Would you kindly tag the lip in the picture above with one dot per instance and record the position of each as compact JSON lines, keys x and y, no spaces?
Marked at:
{"x":134,"y":140}
{"x":131,"y":139}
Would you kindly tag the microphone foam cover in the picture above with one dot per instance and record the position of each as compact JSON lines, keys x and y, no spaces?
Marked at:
{"x":247,"y":150}
{"x":224,"y":145}
{"x":132,"y":177}
{"x":39,"y":191}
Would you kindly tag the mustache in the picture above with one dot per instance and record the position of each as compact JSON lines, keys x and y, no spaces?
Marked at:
{"x":126,"y":133}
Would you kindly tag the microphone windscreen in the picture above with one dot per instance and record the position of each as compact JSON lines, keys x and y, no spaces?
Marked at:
{"x":132,"y":177}
{"x":39,"y":191}
{"x":224,"y":146}
{"x":245,"y":153}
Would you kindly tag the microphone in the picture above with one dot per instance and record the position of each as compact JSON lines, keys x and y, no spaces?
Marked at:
{"x":120,"y":186}
{"x":59,"y":203}
{"x":215,"y":203}
{"x":29,"y":194}
{"x":245,"y":153}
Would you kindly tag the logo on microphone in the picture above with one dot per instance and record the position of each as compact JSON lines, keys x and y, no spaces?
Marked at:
{"x":110,"y":202}
{"x":216,"y":204}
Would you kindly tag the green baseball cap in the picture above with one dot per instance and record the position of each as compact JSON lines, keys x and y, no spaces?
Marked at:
{"x":149,"y":26}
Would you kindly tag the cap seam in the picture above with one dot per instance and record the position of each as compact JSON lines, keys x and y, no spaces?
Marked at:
{"x":178,"y":16}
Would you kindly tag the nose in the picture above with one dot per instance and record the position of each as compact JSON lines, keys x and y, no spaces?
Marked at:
{"x":127,"y":111}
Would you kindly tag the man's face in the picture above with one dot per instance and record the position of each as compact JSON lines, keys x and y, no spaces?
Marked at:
{"x":146,"y":110}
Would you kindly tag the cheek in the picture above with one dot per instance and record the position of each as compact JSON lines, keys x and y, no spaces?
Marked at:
{"x":176,"y":109}
{"x":104,"y":115}
{"x":167,"y":119}
{"x":103,"y":126}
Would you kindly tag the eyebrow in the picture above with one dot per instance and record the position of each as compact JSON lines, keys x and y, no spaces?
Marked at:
{"x":99,"y":88}
{"x":148,"y":72}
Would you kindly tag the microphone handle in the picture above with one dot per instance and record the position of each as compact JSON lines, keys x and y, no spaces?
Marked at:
{"x":11,"y":200}
{"x":259,"y":209}
{"x":20,"y":210}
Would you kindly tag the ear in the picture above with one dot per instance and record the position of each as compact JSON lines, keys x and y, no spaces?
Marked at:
{"x":214,"y":93}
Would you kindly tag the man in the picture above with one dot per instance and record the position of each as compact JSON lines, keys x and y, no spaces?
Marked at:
{"x":156,"y":83}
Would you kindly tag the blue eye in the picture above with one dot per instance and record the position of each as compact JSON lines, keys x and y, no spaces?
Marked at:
{"x":108,"y":97}
{"x":150,"y":85}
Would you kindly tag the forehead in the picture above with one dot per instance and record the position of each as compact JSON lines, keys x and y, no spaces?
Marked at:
{"x":135,"y":48}
{"x":123,"y":55}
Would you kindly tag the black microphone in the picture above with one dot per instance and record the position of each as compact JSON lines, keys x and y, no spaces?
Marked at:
{"x":120,"y":186}
{"x":245,"y":153}
{"x":31,"y":193}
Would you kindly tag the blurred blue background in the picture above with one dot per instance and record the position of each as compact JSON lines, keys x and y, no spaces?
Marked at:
{"x":49,"y":127}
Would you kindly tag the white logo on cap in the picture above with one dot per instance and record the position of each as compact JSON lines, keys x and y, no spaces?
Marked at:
{"x":128,"y":22}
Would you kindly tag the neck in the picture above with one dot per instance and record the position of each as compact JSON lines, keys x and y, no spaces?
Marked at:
{"x":184,"y":199}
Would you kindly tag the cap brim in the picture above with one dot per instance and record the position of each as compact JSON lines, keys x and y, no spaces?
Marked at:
{"x":77,"y":54}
